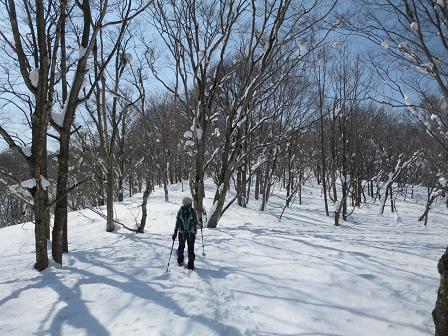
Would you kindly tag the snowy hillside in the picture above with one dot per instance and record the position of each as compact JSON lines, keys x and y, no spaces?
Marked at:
{"x":300,"y":276}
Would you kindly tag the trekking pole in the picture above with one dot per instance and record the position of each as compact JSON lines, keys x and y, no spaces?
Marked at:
{"x":203,"y":252}
{"x":202,"y":235}
{"x":172,"y":246}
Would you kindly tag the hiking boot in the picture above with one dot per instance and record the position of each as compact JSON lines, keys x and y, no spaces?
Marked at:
{"x":190,"y":266}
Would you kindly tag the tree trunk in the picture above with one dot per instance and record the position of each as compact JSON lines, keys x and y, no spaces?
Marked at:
{"x":110,"y":196}
{"x":241,"y":186}
{"x":290,"y":177}
{"x":324,"y":169}
{"x":226,"y":170}
{"x":344,"y":188}
{"x":383,"y":201}
{"x":121,"y":165}
{"x":131,"y":184}
{"x":391,"y":199}
{"x":430,"y":199}
{"x":359,"y":191}
{"x":249,"y":181}
{"x":101,"y":197}
{"x":45,"y":173}
{"x":257,"y":184}
{"x":40,"y":230}
{"x":120,"y":188}
{"x":218,"y":205}
{"x":121,"y":158}
{"x":244,"y":185}
{"x":141,"y":228}
{"x":440,"y":312}
{"x":60,"y":212}
{"x":337,"y":213}
{"x":323,"y":158}
{"x":39,"y":141}
{"x":263,"y":196}
{"x":197,"y":182}
{"x":165,"y":189}
{"x":238,"y":187}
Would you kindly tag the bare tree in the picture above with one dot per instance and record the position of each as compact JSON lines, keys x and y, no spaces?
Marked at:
{"x":198,"y":35}
{"x":270,"y":58}
{"x":36,"y":64}
{"x":414,"y":40}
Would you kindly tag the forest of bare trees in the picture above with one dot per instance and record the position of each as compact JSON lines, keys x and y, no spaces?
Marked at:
{"x":100,"y":100}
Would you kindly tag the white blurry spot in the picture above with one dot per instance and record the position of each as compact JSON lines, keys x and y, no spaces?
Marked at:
{"x":443,"y":181}
{"x":402,"y":45}
{"x":82,"y":52}
{"x":58,"y":118}
{"x":199,"y":133}
{"x":338,"y":45}
{"x":385,"y":44}
{"x":406,"y":99}
{"x":26,"y":150}
{"x":34,"y":77}
{"x":29,"y":184}
{"x":129,"y":58}
{"x":44,"y":182}
{"x":84,"y":83}
{"x":414,"y":25}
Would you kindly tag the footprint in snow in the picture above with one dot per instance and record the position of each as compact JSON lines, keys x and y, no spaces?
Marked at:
{"x":367,"y":276}
{"x":164,"y":276}
{"x":249,"y":309}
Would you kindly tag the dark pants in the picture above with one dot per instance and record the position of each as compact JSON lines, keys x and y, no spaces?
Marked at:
{"x":189,"y":237}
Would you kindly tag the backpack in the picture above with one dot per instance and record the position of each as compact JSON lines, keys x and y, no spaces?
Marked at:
{"x":187,"y":224}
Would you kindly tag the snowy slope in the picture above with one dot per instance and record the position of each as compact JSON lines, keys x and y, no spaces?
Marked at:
{"x":300,"y":276}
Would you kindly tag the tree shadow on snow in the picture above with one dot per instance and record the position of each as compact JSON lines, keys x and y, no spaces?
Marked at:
{"x":267,"y":239}
{"x":75,"y":313}
{"x":132,"y":285}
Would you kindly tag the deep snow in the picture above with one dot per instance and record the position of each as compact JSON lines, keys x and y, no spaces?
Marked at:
{"x":300,"y":276}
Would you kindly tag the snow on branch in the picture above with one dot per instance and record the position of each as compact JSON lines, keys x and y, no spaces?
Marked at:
{"x":394,"y":175}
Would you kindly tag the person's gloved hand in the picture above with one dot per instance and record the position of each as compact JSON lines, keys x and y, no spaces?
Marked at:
{"x":174,"y":235}
{"x":200,"y":226}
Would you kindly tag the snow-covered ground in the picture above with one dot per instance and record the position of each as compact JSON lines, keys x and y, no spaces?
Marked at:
{"x":300,"y":276}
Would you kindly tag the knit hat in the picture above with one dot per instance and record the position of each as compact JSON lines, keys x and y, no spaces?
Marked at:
{"x":186,"y":201}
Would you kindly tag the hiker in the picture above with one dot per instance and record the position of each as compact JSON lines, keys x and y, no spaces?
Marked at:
{"x":186,"y":224}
